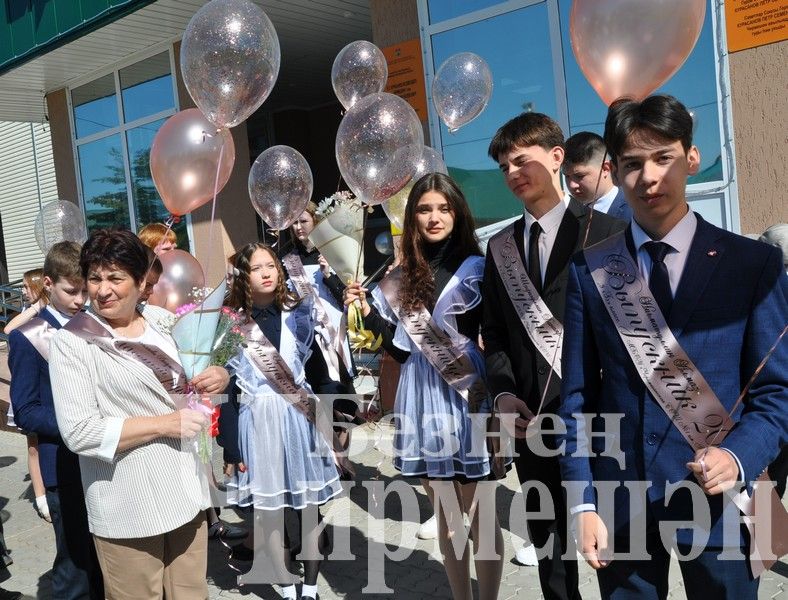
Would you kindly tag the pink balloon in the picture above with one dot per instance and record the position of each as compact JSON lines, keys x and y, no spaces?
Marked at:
{"x":631,"y":47}
{"x":181,"y":273}
{"x":186,"y":156}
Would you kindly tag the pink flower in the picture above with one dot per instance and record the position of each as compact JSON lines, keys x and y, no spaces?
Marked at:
{"x":236,"y":330}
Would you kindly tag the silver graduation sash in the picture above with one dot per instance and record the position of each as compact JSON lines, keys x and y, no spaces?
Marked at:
{"x":544,"y":330}
{"x":333,"y":351}
{"x":674,"y":381}
{"x":39,"y":333}
{"x":453,"y":365}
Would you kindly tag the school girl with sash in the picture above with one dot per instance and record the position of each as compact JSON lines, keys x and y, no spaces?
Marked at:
{"x":310,"y":276}
{"x":118,"y":390}
{"x":278,"y":446}
{"x":428,"y":311}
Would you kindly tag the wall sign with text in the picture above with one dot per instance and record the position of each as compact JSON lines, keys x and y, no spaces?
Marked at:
{"x":752,"y":23}
{"x":406,"y":74}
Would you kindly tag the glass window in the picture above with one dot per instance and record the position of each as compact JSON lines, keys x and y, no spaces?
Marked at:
{"x":441,"y":10}
{"x":104,"y":183}
{"x":522,"y":81}
{"x":95,"y":106}
{"x":147,"y":202}
{"x":146,"y":87}
{"x":694,"y":85}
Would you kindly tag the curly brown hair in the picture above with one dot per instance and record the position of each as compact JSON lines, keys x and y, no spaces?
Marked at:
{"x":241,"y":293}
{"x":418,"y":282}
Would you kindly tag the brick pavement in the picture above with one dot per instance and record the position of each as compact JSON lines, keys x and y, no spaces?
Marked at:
{"x":420,"y":575}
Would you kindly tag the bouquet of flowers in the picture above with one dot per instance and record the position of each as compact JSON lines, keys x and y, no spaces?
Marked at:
{"x":205,"y":333}
{"x":339,"y":233}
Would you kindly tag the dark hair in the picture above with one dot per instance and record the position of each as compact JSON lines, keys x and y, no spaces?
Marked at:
{"x":661,"y":115}
{"x":241,"y":292}
{"x":118,"y":248}
{"x":583,"y":148}
{"x":62,"y":261}
{"x":526,"y":129}
{"x":154,"y":264}
{"x":418,"y":283}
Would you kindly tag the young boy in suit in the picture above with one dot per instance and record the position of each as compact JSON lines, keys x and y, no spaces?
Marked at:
{"x":529,"y":150}
{"x":671,"y":285}
{"x":75,"y":571}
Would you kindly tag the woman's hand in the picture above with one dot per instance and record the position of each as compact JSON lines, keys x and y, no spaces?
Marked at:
{"x":184,"y":423}
{"x":231,"y":468}
{"x":325,"y":269}
{"x":212,"y":380}
{"x":354,"y":292}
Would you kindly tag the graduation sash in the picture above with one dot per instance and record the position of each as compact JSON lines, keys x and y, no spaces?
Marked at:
{"x":453,"y":365}
{"x":544,"y":330}
{"x":333,"y":349}
{"x":675,"y":382}
{"x":39,"y":333}
{"x":164,"y":368}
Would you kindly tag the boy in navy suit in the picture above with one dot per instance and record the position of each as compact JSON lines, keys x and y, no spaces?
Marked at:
{"x":75,"y":571}
{"x":717,"y":302}
{"x":583,"y":160}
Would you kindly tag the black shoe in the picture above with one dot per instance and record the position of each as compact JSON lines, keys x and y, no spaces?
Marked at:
{"x":9,"y":595}
{"x":226,"y":531}
{"x":242,"y":553}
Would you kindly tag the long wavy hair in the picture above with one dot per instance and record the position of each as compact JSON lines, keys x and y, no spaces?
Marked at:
{"x":418,"y":283}
{"x":241,"y":292}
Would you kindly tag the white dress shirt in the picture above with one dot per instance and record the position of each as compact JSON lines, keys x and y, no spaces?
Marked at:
{"x":550,"y":222}
{"x":605,"y":201}
{"x":60,"y":317}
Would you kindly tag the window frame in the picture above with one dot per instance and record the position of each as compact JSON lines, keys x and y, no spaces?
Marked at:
{"x":123,"y":128}
{"x":726,"y":189}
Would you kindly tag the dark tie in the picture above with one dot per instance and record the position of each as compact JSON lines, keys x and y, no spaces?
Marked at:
{"x":658,"y":281}
{"x":534,"y":270}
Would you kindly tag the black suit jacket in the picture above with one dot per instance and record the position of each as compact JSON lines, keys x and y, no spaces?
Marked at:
{"x":513,"y":363}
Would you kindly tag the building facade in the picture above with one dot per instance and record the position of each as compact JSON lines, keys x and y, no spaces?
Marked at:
{"x":103,"y":75}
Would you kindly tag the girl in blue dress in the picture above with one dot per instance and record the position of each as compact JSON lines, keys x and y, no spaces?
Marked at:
{"x":436,"y":438}
{"x":279,"y":459}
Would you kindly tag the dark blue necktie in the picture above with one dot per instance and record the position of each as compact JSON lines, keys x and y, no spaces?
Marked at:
{"x":534,"y":268}
{"x":659,"y":281}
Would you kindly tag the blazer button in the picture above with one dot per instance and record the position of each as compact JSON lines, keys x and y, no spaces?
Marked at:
{"x":652,"y":439}
{"x":542,"y":370}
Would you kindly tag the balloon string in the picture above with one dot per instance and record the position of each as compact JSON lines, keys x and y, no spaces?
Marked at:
{"x":593,"y":202}
{"x":169,"y":222}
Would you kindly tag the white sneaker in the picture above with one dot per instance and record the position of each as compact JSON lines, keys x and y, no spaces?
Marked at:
{"x":526,"y":556}
{"x":428,"y":530}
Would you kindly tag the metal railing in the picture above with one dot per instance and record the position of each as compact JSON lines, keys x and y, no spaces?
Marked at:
{"x":10,"y":304}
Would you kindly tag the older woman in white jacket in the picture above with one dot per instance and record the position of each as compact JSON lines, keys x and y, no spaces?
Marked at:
{"x":115,"y":377}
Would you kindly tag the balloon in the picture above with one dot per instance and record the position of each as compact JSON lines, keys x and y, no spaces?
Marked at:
{"x":384,"y":244}
{"x":631,"y":47}
{"x":181,"y":273}
{"x":280,"y":186}
{"x":461,"y":89}
{"x":229,"y":60}
{"x":59,"y":221}
{"x":370,"y":133}
{"x":427,"y":161}
{"x":184,"y":158}
{"x":359,"y":70}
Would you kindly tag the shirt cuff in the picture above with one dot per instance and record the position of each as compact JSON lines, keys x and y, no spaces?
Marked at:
{"x":582,"y":508}
{"x":111,"y":439}
{"x":738,"y":464}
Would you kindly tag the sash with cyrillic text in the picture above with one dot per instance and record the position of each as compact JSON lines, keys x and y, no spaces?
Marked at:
{"x":676,"y":383}
{"x":544,"y":330}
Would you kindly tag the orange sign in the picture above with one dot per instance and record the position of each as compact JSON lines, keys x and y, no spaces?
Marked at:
{"x":406,"y":75}
{"x":752,"y":23}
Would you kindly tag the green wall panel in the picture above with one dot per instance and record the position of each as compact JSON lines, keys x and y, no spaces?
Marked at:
{"x":29,"y":28}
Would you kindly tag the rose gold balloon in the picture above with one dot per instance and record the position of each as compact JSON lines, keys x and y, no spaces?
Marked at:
{"x":184,"y":158}
{"x":181,"y":273}
{"x":631,"y":47}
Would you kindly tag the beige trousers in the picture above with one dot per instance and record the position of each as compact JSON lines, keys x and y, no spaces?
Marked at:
{"x":171,"y":565}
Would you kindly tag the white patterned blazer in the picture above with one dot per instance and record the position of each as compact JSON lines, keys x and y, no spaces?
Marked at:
{"x":148,"y":490}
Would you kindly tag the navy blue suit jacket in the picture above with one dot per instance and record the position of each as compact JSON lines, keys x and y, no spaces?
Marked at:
{"x":620,"y":208}
{"x":729,"y":308}
{"x":34,"y":410}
